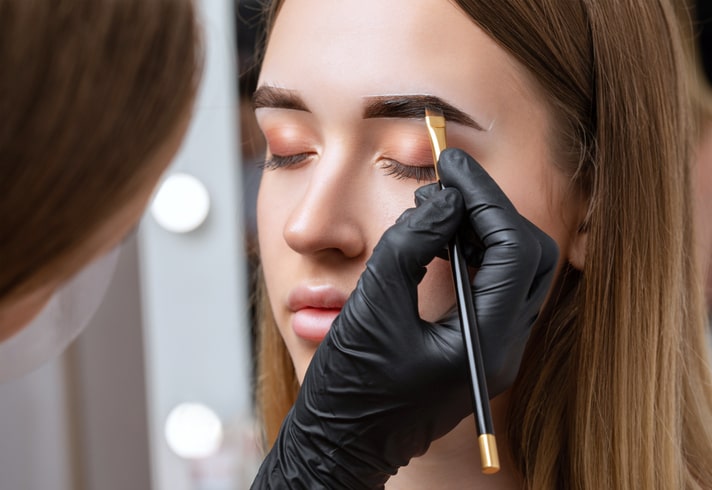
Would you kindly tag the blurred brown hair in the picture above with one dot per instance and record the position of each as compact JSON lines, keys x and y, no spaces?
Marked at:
{"x":614,"y":390}
{"x":90,"y":91}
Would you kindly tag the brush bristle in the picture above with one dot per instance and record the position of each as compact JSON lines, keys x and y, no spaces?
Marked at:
{"x":435,"y":116}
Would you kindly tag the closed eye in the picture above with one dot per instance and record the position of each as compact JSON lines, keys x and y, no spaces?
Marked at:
{"x":400,"y":171}
{"x":282,"y":161}
{"x":392,"y":167}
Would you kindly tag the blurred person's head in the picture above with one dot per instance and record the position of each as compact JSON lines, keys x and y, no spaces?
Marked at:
{"x":95,"y":98}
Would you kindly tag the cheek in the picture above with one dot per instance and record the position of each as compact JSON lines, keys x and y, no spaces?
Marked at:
{"x":273,"y":203}
{"x":436,"y":293}
{"x":271,"y":217}
{"x":388,"y":197}
{"x":272,"y":206}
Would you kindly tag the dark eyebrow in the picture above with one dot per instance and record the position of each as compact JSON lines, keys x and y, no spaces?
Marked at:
{"x":413,"y":107}
{"x":382,"y":106}
{"x":278,"y":98}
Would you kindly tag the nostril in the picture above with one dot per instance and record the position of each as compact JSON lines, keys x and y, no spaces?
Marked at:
{"x":340,"y":237}
{"x":311,"y":231}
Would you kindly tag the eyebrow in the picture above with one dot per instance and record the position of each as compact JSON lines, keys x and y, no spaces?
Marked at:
{"x":278,"y":98}
{"x":413,"y":107}
{"x":383,"y":106}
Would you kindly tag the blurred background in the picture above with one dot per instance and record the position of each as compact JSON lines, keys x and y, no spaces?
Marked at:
{"x":157,"y":392}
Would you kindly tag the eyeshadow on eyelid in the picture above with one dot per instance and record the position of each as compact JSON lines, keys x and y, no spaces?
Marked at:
{"x":420,"y":156}
{"x":285,"y":131}
{"x":412,"y":148}
{"x":286,"y":134}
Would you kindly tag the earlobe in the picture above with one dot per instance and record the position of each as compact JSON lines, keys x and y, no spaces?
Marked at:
{"x":577,"y":248}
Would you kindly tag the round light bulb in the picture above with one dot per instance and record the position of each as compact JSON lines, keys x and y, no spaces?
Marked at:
{"x":193,"y":431}
{"x":181,"y":203}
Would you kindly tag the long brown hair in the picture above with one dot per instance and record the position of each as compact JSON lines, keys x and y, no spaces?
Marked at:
{"x":614,"y":390}
{"x":90,"y":91}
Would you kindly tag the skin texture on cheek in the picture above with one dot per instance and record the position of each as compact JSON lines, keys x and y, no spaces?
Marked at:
{"x":436,"y":294}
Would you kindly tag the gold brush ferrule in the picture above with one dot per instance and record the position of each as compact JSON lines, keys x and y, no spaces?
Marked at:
{"x":435,"y":120}
{"x":488,"y":454}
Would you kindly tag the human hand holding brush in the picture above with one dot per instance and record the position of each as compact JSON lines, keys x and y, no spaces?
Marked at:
{"x":385,"y":383}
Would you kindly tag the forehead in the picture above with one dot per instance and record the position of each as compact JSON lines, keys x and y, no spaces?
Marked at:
{"x":366,"y":47}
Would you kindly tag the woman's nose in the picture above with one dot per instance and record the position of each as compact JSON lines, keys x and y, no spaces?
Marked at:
{"x":330,"y":213}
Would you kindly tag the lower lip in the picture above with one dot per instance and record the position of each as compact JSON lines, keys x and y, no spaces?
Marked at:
{"x":312,"y":324}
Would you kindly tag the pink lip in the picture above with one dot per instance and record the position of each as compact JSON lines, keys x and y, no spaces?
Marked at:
{"x":314,"y":310}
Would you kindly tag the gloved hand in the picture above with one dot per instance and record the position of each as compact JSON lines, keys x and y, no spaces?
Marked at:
{"x":384,"y":383}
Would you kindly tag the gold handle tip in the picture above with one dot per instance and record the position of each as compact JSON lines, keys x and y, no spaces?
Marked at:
{"x":488,"y":454}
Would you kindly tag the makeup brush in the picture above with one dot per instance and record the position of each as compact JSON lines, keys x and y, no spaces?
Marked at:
{"x":435,"y":120}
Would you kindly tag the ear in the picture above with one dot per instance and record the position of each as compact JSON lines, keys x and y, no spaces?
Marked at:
{"x":577,"y":247}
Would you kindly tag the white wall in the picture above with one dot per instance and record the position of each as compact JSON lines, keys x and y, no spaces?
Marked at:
{"x":79,"y":422}
{"x":35,"y":436}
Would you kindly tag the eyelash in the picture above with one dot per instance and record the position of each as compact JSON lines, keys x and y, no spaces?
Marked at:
{"x":401,"y":172}
{"x":392,"y":167}
{"x":281,"y":161}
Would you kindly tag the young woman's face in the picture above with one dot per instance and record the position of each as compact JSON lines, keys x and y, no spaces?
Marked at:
{"x":341,"y":99}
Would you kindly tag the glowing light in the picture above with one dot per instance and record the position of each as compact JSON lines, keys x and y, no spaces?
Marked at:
{"x":193,"y":431}
{"x":181,"y":203}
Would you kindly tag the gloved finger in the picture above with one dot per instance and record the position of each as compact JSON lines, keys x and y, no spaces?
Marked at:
{"x":504,"y":233}
{"x":425,"y":192}
{"x":489,"y":209}
{"x":505,"y":325}
{"x":514,"y":248}
{"x":405,"y":215}
{"x":471,"y":247}
{"x":386,"y":294}
{"x":422,"y":194}
{"x":409,"y":245}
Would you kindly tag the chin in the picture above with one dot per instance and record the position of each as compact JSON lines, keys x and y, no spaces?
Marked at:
{"x":301,"y":365}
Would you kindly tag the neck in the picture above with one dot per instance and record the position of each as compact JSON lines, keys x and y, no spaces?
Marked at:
{"x":453,"y":461}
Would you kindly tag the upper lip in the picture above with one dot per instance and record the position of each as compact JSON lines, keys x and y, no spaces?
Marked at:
{"x":315,"y":296}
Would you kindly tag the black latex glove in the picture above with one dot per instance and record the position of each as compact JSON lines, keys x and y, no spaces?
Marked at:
{"x":384,"y":383}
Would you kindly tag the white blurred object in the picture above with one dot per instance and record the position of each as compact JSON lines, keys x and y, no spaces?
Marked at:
{"x":66,"y":314}
{"x":236,"y":462}
{"x":193,"y":431}
{"x":181,"y":203}
{"x":194,"y":291}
